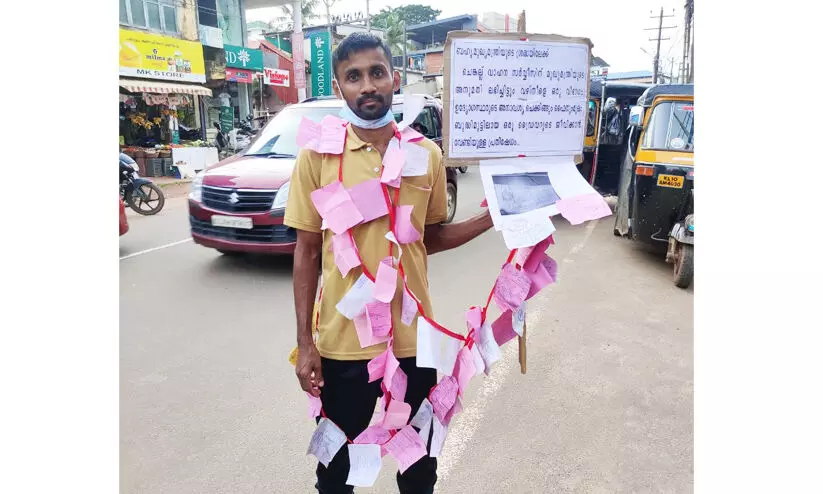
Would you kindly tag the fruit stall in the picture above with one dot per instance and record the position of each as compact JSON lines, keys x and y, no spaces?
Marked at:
{"x":161,"y":132}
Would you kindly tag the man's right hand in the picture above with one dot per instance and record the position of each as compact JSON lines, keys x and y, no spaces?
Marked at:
{"x":308,"y":369}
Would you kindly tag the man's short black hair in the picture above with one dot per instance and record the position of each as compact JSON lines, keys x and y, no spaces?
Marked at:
{"x":357,"y":42}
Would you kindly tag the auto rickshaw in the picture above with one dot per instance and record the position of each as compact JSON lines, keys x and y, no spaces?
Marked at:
{"x":603,"y":148}
{"x":656,"y":197}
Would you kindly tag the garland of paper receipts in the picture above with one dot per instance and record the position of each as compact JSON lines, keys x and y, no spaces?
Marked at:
{"x":526,"y":271}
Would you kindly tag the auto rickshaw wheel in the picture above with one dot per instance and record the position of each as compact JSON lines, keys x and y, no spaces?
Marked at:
{"x":684,"y":266}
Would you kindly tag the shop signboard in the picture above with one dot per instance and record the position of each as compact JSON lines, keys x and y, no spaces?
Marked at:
{"x":239,"y":75}
{"x":240,"y":57}
{"x":159,"y":57}
{"x":320,"y":43}
{"x":299,"y":60}
{"x":276,"y":77}
{"x":226,"y":118}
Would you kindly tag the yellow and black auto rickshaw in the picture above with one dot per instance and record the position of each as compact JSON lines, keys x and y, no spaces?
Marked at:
{"x":656,"y":196}
{"x":606,"y":131}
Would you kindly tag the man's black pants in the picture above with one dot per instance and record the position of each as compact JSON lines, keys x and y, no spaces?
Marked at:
{"x":349,"y":401}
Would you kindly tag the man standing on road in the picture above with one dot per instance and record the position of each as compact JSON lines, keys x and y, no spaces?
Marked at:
{"x":335,"y":368}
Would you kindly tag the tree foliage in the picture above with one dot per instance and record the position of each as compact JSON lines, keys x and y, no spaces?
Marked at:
{"x":412,"y":14}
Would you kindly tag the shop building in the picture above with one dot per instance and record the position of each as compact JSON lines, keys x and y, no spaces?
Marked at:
{"x":162,"y":86}
{"x":276,"y":81}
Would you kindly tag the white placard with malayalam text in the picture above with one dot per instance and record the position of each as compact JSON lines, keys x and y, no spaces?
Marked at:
{"x":511,"y":97}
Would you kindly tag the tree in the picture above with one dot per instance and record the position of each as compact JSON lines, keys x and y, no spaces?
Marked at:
{"x":412,"y":14}
{"x":307,"y":7}
{"x":394,"y":34}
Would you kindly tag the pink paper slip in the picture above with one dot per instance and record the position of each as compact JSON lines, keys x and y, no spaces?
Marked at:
{"x":369,"y":199}
{"x":377,"y":367}
{"x":392,"y":364}
{"x":544,"y":274}
{"x":511,"y":288}
{"x":379,"y":314}
{"x":345,"y":253}
{"x":336,"y":207}
{"x":406,"y":447}
{"x":385,"y":282}
{"x":457,"y":408}
{"x":308,"y":134}
{"x":405,"y":232}
{"x":397,"y":415}
{"x":578,"y":209}
{"x":502,"y":328}
{"x":314,"y":406}
{"x":364,"y":331}
{"x":410,"y":135}
{"x":409,"y":309}
{"x":464,"y":369}
{"x":443,"y":396}
{"x":393,"y":162}
{"x":399,"y":384}
{"x":535,"y":254}
{"x":473,"y":317}
{"x":333,"y":135}
{"x":373,"y":435}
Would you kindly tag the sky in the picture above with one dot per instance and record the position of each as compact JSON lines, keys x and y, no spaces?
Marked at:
{"x":616,"y":28}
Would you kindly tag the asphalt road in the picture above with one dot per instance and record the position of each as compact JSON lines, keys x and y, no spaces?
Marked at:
{"x":209,"y":403}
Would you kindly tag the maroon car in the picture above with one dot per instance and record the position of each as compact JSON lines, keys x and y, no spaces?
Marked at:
{"x":238,"y":205}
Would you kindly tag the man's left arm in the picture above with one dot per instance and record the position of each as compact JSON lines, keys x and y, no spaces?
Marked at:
{"x":439,"y":236}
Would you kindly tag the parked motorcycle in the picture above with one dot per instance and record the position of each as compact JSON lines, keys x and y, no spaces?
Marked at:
{"x":246,"y":127}
{"x":140,"y":194}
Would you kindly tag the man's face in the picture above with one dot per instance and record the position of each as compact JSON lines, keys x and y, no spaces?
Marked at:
{"x":366,"y":83}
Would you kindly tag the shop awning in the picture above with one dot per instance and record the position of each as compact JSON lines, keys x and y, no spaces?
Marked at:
{"x":141,"y":86}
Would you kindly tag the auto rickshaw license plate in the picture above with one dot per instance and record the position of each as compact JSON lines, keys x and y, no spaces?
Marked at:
{"x":673,"y":181}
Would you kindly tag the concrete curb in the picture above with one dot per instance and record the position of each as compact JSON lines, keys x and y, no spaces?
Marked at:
{"x":176,"y":182}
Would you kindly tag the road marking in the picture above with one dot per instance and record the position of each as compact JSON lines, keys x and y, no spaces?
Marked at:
{"x":155,"y":248}
{"x":590,"y":226}
{"x":466,"y":423}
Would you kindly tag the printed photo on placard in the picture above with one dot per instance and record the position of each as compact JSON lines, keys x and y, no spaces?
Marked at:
{"x":523,"y":192}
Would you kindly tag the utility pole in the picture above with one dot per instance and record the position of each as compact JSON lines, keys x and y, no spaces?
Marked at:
{"x":405,"y":54}
{"x":659,"y":29}
{"x":687,"y":36}
{"x":368,"y":21}
{"x":691,"y":50}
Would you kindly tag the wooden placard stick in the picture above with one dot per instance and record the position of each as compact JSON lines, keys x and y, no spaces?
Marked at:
{"x":521,"y":340}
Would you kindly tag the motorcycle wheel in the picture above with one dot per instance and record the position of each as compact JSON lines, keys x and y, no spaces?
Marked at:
{"x":684,"y":266}
{"x":463,"y":169}
{"x":147,"y":199}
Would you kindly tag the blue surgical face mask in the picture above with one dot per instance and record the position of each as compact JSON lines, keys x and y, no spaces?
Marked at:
{"x":348,"y":115}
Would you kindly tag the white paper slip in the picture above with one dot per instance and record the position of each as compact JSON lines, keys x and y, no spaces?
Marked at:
{"x":435,"y":350}
{"x":326,"y":441}
{"x":425,"y":430}
{"x":423,"y":415}
{"x":526,"y":233}
{"x":479,"y":363}
{"x":567,"y":180}
{"x":409,"y":309}
{"x":355,"y":300}
{"x":519,"y":319}
{"x":413,"y":104}
{"x":391,"y":238}
{"x":364,"y":464}
{"x":489,"y":349}
{"x":417,"y":160}
{"x":438,"y":437}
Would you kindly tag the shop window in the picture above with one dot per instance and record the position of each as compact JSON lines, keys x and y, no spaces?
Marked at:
{"x":155,"y":15}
